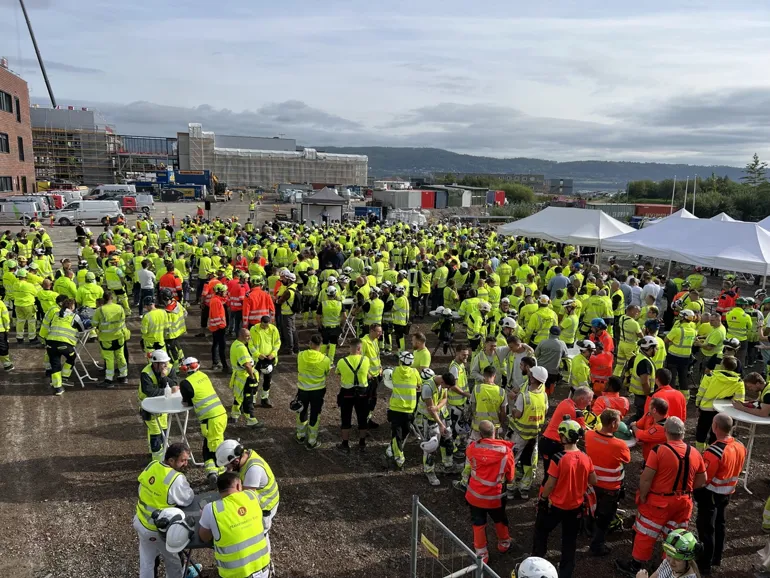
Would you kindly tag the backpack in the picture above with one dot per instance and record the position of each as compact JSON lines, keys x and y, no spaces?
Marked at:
{"x":296,"y":305}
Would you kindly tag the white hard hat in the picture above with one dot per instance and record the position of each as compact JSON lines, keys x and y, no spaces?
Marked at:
{"x":647,"y":342}
{"x":178,"y":536}
{"x":406,"y":358}
{"x":586,"y":344}
{"x":540,"y":373}
{"x":387,"y":377}
{"x":534,"y":567}
{"x":347,"y":270}
{"x":403,"y":272}
{"x":332,"y":279}
{"x":267,"y":370}
{"x":508,"y":322}
{"x":331,"y":290}
{"x":159,"y":356}
{"x":505,"y":300}
{"x":439,"y":310}
{"x":189,"y":364}
{"x":687,"y":313}
{"x":544,"y":300}
{"x":568,"y":303}
{"x":427,"y":373}
{"x":165,"y":517}
{"x":447,"y":312}
{"x":290,"y":276}
{"x":228,"y":451}
{"x":485,"y":307}
{"x":463,"y":265}
{"x":429,"y":446}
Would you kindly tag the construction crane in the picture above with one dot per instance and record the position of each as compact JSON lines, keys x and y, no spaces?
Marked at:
{"x":37,"y":51}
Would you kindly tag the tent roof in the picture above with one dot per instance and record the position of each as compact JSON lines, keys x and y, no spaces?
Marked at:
{"x":734,"y":246}
{"x":325,"y":196}
{"x":765,"y":223}
{"x":567,"y":225}
{"x":723,"y":217}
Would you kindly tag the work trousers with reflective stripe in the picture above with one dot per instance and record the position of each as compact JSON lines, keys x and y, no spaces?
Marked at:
{"x":56,"y":350}
{"x":399,"y":429}
{"x":371,"y":392}
{"x":548,"y":517}
{"x":659,"y":515}
{"x":307,"y":419}
{"x":525,"y":453}
{"x":265,"y":378}
{"x":213,"y":432}
{"x":5,"y":357}
{"x":606,"y":508}
{"x":289,"y":333}
{"x":703,"y":434}
{"x":479,"y":522}
{"x":25,"y":315}
{"x":711,"y":527}
{"x":112,"y":353}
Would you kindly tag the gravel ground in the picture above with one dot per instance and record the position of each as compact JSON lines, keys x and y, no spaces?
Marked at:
{"x":69,"y":466}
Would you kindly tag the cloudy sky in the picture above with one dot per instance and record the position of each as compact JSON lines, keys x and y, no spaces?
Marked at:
{"x":672,"y":81}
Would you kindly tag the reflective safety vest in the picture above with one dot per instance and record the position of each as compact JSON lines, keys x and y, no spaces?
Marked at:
{"x":5,"y":319}
{"x":731,"y":455}
{"x":437,"y":394}
{"x":154,"y":325}
{"x":569,"y":327}
{"x":61,"y":328}
{"x":635,"y":386}
{"x":374,"y":315}
{"x":488,"y":459}
{"x":331,"y":310}
{"x":400,"y":311}
{"x":154,"y":486}
{"x":660,"y":354}
{"x":239,"y":358}
{"x":109,"y":321}
{"x":47,"y":299}
{"x":533,"y":416}
{"x":621,"y":303}
{"x":206,"y":402}
{"x":286,"y":306}
{"x":721,"y":384}
{"x":403,"y":398}
{"x":241,"y":549}
{"x":312,"y":369}
{"x":175,"y":326}
{"x":353,"y":371}
{"x":268,"y":494}
{"x":738,"y":324}
{"x":112,"y":278}
{"x":682,"y":339}
{"x":371,"y":349}
{"x":484,"y":362}
{"x":580,"y":372}
{"x":24,"y":293}
{"x":461,"y":383}
{"x":540,"y":324}
{"x":488,"y":399}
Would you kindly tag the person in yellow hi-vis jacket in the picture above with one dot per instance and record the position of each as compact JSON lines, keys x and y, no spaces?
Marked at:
{"x":5,"y":328}
{"x":313,"y":367}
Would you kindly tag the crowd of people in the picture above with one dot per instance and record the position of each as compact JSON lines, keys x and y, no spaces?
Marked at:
{"x":520,"y":322}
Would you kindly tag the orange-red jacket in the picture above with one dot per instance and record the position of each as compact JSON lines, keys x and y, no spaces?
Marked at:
{"x":257,"y":304}
{"x":650,"y":434}
{"x":235,"y":293}
{"x":170,"y":281}
{"x":724,"y":464}
{"x":677,"y":403}
{"x":611,"y":400}
{"x":241,"y":263}
{"x":609,"y":455}
{"x":492,"y":466}
{"x":217,"y":318}
{"x":601,"y":370}
{"x":605,"y":339}
{"x":726,"y":300}
{"x":208,"y":291}
{"x":565,"y":407}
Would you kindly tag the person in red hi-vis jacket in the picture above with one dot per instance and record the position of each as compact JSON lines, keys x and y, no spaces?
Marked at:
{"x":492,"y":467}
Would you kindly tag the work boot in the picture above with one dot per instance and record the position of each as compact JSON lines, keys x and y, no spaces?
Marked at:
{"x":504,"y":545}
{"x":300,"y":440}
{"x":8,"y":367}
{"x":511,"y":493}
{"x":58,"y":391}
{"x":628,"y":567}
{"x":524,"y":494}
{"x":216,"y":366}
{"x":212,"y":480}
{"x":451,"y":468}
{"x":34,"y":341}
{"x":371,"y":424}
{"x":256,"y":425}
{"x":343,"y":447}
{"x":108,"y":384}
{"x":460,"y":485}
{"x":314,"y":446}
{"x":600,"y":550}
{"x":266,"y":403}
{"x":432,"y":479}
{"x":122,"y":380}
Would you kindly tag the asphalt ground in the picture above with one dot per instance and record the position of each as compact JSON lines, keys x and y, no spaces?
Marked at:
{"x":69,"y":465}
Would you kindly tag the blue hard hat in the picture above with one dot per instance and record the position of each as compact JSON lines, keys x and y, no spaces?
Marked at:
{"x":598,"y":322}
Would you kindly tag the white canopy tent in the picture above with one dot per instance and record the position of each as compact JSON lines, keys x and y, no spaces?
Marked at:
{"x":734,"y":246}
{"x":567,"y":225}
{"x":765,"y":223}
{"x":725,"y":218}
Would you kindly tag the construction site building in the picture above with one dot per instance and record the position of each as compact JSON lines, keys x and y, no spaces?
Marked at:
{"x":73,"y":144}
{"x":263,"y":162}
{"x":137,"y":155}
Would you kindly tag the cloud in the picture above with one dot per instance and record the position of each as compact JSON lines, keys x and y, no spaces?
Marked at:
{"x":30,"y":4}
{"x":61,"y":66}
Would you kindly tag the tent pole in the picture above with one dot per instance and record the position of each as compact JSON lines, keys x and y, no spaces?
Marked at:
{"x":673,"y":192}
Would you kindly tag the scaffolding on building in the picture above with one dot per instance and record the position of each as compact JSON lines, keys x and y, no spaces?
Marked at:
{"x":137,"y":155}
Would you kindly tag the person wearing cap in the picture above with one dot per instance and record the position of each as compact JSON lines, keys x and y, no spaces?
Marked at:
{"x":89,"y":293}
{"x":403,"y":401}
{"x":109,"y":322}
{"x":610,"y":457}
{"x":723,"y":384}
{"x":567,"y":478}
{"x":24,"y":294}
{"x":739,"y":324}
{"x":313,"y":368}
{"x":550,"y":443}
{"x":155,"y":376}
{"x":549,"y":353}
{"x":541,"y":321}
{"x":724,"y":460}
{"x":287,"y":294}
{"x":580,"y":366}
{"x":198,"y":391}
{"x":680,"y":341}
{"x":528,"y":411}
{"x":162,"y":484}
{"x":673,"y":470}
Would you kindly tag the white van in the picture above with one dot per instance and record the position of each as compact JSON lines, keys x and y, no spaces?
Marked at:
{"x":18,"y":212}
{"x":88,"y":211}
{"x":113,"y":190}
{"x":42,"y":202}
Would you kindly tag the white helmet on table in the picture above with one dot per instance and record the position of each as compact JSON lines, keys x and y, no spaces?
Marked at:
{"x":534,"y":567}
{"x":227,"y":452}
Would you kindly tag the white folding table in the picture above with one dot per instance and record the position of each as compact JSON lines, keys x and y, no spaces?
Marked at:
{"x":172,"y":406}
{"x":752,"y":421}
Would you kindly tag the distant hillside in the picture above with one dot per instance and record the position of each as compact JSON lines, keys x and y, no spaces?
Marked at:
{"x":404,"y":162}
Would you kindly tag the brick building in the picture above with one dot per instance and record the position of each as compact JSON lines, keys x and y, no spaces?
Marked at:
{"x":17,"y":162}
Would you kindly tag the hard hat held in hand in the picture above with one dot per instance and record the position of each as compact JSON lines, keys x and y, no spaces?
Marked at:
{"x":429,"y":446}
{"x":387,"y":377}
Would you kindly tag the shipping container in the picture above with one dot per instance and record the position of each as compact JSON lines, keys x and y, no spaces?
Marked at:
{"x":441,"y":199}
{"x":364,"y":212}
{"x":499,"y":198}
{"x":490,"y":197}
{"x":428,"y":199}
{"x":652,"y":210}
{"x":621,"y":211}
{"x":399,"y":199}
{"x":460,"y":198}
{"x":415,"y":199}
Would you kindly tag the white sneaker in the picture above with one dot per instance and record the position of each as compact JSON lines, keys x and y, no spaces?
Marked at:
{"x":432,"y":479}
